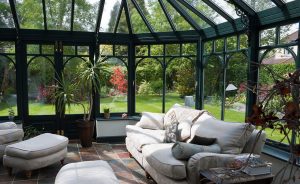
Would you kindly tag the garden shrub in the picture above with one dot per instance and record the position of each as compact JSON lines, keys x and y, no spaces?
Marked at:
{"x":145,"y":88}
{"x":156,"y":86}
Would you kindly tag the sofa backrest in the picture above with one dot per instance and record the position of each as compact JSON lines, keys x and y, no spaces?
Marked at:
{"x":258,"y":140}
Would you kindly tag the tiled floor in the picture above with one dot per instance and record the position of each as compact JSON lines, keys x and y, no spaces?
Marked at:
{"x":126,"y":169}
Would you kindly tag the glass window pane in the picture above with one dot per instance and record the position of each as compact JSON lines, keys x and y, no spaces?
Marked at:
{"x":113,"y":93}
{"x":58,"y":14}
{"x":83,"y":50}
{"x":28,"y":18}
{"x":180,"y":76}
{"x":138,"y":25}
{"x":141,"y":50}
{"x":189,"y":49}
{"x":259,"y":5}
{"x":153,"y":13}
{"x":69,"y":50}
{"x":235,"y":99}
{"x":106,"y":50}
{"x":6,"y":19}
{"x":180,"y":23}
{"x":109,"y":16}
{"x":121,"y":50}
{"x":149,"y":86}
{"x":41,"y":86}
{"x":8,"y":92}
{"x":281,"y":62}
{"x":207,"y":11}
{"x":289,"y":33}
{"x":231,"y":43}
{"x":172,"y":49}
{"x":48,"y":49}
{"x":213,"y":77}
{"x":219,"y":45}
{"x":7,"y":47}
{"x":208,"y":47}
{"x":71,"y":70}
{"x":85,"y":15}
{"x":157,"y":50}
{"x":226,"y":7}
{"x":267,"y":37}
{"x":33,"y":49}
{"x":243,"y":41}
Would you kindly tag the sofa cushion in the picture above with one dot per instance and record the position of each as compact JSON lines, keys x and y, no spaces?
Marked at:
{"x":8,"y":125}
{"x":184,"y":130}
{"x":10,"y":135}
{"x":153,"y":121}
{"x":143,"y":137}
{"x":159,"y":157}
{"x":203,"y":140}
{"x":183,"y":151}
{"x":171,"y":132}
{"x":231,"y":137}
{"x":182,"y":113}
{"x":39,"y":146}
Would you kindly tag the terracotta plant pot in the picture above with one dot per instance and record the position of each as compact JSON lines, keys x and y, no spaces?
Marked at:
{"x":86,"y":132}
{"x":106,"y":115}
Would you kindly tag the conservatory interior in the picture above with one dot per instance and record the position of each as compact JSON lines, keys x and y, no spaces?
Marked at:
{"x":114,"y":72}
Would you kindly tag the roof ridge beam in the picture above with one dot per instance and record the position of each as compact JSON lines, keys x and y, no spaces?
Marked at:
{"x":119,"y":16}
{"x":14,"y":14}
{"x":100,"y":13}
{"x":219,"y":10}
{"x":128,"y":20}
{"x":197,"y":12}
{"x":163,"y":6}
{"x":185,"y":15}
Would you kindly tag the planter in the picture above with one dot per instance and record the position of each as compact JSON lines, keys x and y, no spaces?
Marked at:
{"x":106,"y":115}
{"x":86,"y":132}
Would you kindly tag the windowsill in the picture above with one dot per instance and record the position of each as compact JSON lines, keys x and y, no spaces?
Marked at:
{"x":276,"y":153}
{"x":114,"y":118}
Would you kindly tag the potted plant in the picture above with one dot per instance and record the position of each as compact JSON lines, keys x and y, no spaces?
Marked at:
{"x":106,"y":112}
{"x":88,"y":77}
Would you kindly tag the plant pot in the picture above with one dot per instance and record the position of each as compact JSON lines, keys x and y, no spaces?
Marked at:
{"x":86,"y":132}
{"x":106,"y":115}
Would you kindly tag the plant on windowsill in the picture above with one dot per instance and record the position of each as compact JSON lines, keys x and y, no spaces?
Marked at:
{"x":106,"y":113}
{"x":88,"y":77}
{"x":284,"y":95}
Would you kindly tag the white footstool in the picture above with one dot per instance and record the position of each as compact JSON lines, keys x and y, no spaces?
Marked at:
{"x":88,"y":172}
{"x":35,"y":153}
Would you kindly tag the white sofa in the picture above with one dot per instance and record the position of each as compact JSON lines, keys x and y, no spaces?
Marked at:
{"x":147,"y":146}
{"x":9,"y":134}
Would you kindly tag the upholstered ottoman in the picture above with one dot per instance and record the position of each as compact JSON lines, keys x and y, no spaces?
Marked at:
{"x":35,"y":153}
{"x":88,"y":172}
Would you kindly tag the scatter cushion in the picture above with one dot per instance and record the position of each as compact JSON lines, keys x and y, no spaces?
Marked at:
{"x":183,"y":151}
{"x":184,"y":130}
{"x":171,"y":132}
{"x":230,"y":136}
{"x":39,"y":146}
{"x":154,"y":121}
{"x":170,"y":117}
{"x":203,"y":140}
{"x":160,"y":158}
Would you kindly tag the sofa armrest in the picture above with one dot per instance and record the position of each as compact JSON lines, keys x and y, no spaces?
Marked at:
{"x":8,"y":125}
{"x":205,"y":160}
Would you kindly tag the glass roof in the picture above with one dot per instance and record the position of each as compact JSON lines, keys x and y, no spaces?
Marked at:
{"x":6,"y":19}
{"x":144,"y":16}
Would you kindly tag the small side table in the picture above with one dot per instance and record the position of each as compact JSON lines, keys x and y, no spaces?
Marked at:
{"x":224,"y":175}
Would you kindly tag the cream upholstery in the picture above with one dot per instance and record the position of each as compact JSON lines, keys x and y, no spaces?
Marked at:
{"x":88,"y":172}
{"x":37,"y":152}
{"x":9,"y":134}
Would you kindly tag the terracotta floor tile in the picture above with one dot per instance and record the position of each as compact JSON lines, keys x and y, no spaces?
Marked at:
{"x":21,"y":175}
{"x":131,"y":164}
{"x":117,"y":166}
{"x":89,"y":157}
{"x":126,"y":177}
{"x":46,"y":181}
{"x":6,"y":178}
{"x":119,"y":148}
{"x":123,"y":155}
{"x":26,"y":182}
{"x":109,"y":156}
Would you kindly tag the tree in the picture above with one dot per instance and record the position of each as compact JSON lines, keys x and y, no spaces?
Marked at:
{"x":118,"y":80}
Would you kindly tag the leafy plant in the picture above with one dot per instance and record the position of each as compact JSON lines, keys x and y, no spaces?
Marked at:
{"x":30,"y":131}
{"x":145,"y":88}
